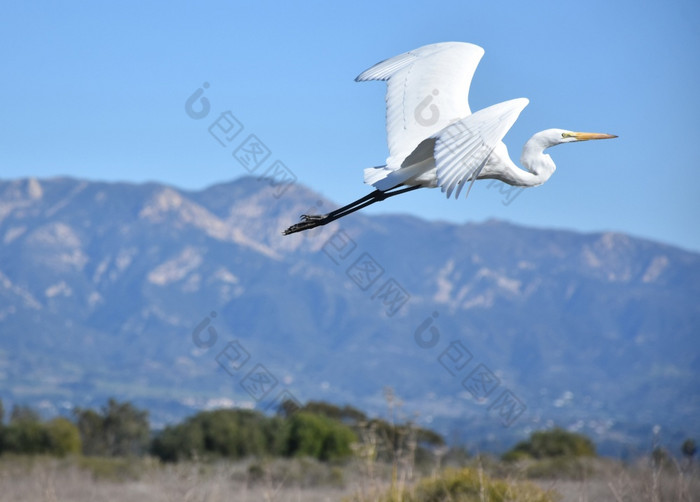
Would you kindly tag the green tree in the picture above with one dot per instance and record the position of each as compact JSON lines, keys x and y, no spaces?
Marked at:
{"x":24,"y":433}
{"x":27,"y":434}
{"x":318,"y":436}
{"x":287,"y":408}
{"x":689,"y":449}
{"x":225,"y":433}
{"x":178,"y":442}
{"x":347,"y":414}
{"x":318,"y":430}
{"x":62,"y":437}
{"x":556,"y":442}
{"x":23,"y":413}
{"x":273,"y":432}
{"x":119,"y":429}
{"x":126,"y":428}
{"x":91,"y":428}
{"x":24,"y":436}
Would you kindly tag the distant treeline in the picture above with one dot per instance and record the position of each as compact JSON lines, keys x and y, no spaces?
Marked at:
{"x":319,"y":430}
{"x":27,"y":434}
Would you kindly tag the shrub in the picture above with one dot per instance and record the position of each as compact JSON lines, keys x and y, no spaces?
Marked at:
{"x":688,"y":448}
{"x":26,"y":436}
{"x":467,"y":485}
{"x":119,"y":429}
{"x":220,"y":433}
{"x":30,"y":436}
{"x":318,"y":436}
{"x":552,"y":443}
{"x":114,"y":469}
{"x":63,"y":437}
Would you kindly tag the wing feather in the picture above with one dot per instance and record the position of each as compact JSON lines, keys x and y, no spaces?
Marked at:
{"x":427,"y":89}
{"x":462,"y":148}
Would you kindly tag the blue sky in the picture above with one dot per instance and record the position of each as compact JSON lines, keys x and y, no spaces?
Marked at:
{"x":97,"y":90}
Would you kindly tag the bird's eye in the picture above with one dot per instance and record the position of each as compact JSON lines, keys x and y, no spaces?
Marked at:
{"x":566,"y":135}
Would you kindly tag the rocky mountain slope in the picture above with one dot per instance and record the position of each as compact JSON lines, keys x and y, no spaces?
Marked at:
{"x":182,"y":300}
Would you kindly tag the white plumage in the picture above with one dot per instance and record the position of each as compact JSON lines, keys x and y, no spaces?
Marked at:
{"x":416,"y":76}
{"x":457,"y":144}
{"x":435,"y":141}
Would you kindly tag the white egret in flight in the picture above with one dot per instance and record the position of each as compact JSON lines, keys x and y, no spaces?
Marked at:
{"x":434,"y":139}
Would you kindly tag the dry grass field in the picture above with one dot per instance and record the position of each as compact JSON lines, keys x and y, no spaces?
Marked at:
{"x":79,"y":479}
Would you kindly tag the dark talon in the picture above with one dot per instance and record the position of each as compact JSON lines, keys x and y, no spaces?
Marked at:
{"x":316,"y":220}
{"x":312,"y":217}
{"x":298,"y":227}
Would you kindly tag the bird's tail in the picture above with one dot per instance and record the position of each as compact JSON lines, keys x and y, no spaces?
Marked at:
{"x":374,"y":175}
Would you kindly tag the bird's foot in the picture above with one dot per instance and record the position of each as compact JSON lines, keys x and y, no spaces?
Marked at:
{"x":312,"y":217}
{"x":298,"y":227}
{"x":307,"y":221}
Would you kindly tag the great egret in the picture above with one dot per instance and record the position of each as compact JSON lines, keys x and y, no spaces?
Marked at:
{"x":434,"y":139}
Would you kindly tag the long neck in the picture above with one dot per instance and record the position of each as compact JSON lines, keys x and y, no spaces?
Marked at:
{"x":540,"y":166}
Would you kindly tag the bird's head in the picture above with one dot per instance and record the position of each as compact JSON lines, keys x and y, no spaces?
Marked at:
{"x":554,"y":137}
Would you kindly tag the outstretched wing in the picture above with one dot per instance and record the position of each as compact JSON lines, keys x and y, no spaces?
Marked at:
{"x":427,"y":89}
{"x":462,"y":148}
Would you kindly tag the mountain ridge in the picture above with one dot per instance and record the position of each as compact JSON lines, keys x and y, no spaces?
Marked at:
{"x":102,"y":285}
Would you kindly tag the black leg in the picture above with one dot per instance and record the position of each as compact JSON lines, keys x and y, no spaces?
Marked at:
{"x":312,"y":221}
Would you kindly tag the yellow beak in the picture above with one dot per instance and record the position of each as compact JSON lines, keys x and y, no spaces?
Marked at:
{"x":585,"y":136}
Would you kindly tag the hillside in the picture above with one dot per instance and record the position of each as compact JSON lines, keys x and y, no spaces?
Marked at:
{"x":487,"y":330}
